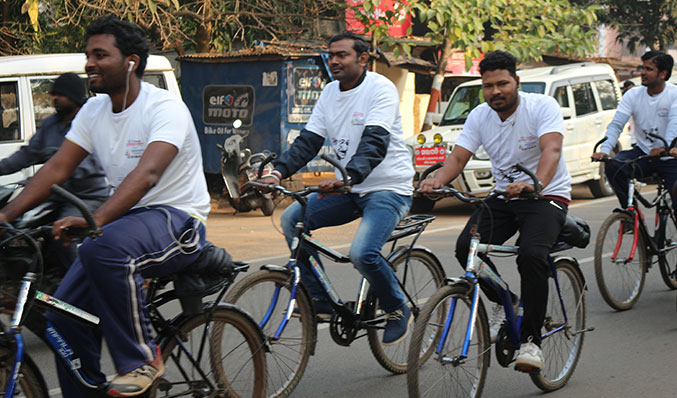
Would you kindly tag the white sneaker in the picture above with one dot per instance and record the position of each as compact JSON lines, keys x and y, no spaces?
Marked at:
{"x":496,"y":321}
{"x":529,"y":358}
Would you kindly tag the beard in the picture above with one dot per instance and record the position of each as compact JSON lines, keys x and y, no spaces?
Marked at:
{"x":506,"y":106}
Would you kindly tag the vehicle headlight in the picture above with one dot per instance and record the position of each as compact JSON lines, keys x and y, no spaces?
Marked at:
{"x":437,"y":138}
{"x":481,"y":154}
{"x":420,"y":139}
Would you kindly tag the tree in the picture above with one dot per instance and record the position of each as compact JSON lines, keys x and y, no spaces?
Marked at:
{"x":201,"y":25}
{"x":643,"y":23}
{"x":526,"y":28}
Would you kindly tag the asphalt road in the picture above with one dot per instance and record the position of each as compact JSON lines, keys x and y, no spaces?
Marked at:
{"x":629,"y":354}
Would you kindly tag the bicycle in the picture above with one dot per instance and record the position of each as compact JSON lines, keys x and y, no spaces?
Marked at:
{"x":453,"y":323}
{"x":624,"y":240}
{"x":277,"y":299}
{"x":187,"y":343}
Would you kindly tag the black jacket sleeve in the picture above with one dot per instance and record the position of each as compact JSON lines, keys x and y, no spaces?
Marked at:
{"x":370,"y":152}
{"x":302,"y":150}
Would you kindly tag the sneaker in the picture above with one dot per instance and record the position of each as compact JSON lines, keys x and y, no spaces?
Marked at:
{"x":397,"y":325}
{"x":138,"y":380}
{"x":529,"y":358}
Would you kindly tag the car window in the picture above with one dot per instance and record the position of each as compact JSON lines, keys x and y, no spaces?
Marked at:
{"x":584,"y":101}
{"x":156,"y":79}
{"x":561,"y":96}
{"x":531,"y":87}
{"x":42,"y":99}
{"x":463,"y":101}
{"x":607,"y":94}
{"x":10,"y":122}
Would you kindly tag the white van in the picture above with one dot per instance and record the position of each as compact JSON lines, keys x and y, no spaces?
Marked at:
{"x":588,"y":94}
{"x":25,"y":84}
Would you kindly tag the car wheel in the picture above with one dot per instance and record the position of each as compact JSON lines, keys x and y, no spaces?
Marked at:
{"x":601,"y":187}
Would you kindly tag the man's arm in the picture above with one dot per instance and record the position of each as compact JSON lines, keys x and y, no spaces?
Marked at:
{"x":371,"y":151}
{"x":55,"y":171}
{"x":27,"y":155}
{"x":302,"y":150}
{"x":453,"y":165}
{"x":157,"y":156}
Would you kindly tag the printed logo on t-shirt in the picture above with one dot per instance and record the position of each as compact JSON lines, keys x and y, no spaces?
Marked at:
{"x":510,"y":174}
{"x":646,"y":133}
{"x":341,"y":146}
{"x":529,"y":142}
{"x":663,"y":112}
{"x":358,"y":118}
{"x":134,"y":149}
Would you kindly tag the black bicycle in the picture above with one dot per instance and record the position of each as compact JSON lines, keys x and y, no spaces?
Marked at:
{"x":625,"y":248}
{"x":279,"y":302}
{"x":209,"y":350}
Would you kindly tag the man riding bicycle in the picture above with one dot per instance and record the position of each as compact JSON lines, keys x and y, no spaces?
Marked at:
{"x":153,"y":224}
{"x":515,"y":127}
{"x":653,"y":108}
{"x":359,"y":115}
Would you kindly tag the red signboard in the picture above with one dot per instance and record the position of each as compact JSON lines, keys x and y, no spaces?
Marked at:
{"x":428,"y":156}
{"x":399,"y":28}
{"x":456,"y":65}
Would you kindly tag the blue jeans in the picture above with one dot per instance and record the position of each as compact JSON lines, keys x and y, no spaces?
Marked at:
{"x":380,"y":212}
{"x":618,"y":175}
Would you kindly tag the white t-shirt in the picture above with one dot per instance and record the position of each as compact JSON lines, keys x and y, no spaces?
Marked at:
{"x":650,"y":114}
{"x":516,"y":140}
{"x":120,"y":139}
{"x":341,"y":116}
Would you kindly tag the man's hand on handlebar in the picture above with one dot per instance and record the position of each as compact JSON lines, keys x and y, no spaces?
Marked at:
{"x":657,"y":151}
{"x":267,"y":180}
{"x":516,"y":188}
{"x":598,"y":156}
{"x":673,"y":152}
{"x":61,"y":228}
{"x":328,"y":185}
{"x":428,"y":184}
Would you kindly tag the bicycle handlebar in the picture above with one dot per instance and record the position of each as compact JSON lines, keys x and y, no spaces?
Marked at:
{"x":93,"y":230}
{"x":263,"y":164}
{"x":655,"y":136}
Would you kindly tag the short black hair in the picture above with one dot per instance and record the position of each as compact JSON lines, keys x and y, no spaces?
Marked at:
{"x":498,"y":59}
{"x":129,"y":38}
{"x":360,"y":44}
{"x":663,"y":61}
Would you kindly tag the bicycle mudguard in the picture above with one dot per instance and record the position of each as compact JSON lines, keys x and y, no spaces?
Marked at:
{"x":577,"y":267}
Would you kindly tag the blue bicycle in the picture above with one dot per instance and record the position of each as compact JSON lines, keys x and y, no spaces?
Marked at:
{"x":454,"y":323}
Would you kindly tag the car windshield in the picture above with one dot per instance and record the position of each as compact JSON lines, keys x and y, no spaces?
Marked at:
{"x":467,"y":98}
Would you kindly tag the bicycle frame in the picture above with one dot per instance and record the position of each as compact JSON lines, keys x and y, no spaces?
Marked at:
{"x":477,"y":269}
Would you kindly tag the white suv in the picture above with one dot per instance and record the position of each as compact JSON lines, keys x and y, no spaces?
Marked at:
{"x":588,"y":94}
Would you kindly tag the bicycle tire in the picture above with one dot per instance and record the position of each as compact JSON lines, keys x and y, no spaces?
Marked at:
{"x":562,"y":350}
{"x":433,"y":378}
{"x":667,"y":261}
{"x":422,"y":280}
{"x":30,"y":384}
{"x":288,"y":356}
{"x":233,"y":359}
{"x":619,"y":283}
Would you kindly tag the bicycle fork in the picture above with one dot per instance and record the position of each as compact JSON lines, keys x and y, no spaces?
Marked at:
{"x":26,"y":282}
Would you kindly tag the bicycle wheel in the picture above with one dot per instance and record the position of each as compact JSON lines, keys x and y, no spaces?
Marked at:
{"x":29,"y":385}
{"x":267,"y":292}
{"x":667,"y":261}
{"x":445,"y":374}
{"x":232,"y":361}
{"x":562,"y":348}
{"x":421,"y":277}
{"x":621,"y":280}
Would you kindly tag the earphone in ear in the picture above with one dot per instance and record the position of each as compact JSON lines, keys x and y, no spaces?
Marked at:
{"x":131,"y":65}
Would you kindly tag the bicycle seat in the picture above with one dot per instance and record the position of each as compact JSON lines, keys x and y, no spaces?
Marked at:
{"x":575,"y":232}
{"x":207,"y":275}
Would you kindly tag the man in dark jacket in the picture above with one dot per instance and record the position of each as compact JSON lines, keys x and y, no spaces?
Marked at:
{"x":87,"y":182}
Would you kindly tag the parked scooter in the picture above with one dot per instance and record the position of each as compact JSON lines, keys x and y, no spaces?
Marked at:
{"x":239,"y":167}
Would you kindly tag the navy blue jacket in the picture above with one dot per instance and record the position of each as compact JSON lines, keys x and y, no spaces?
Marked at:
{"x":88,"y":181}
